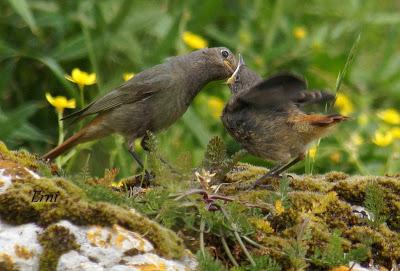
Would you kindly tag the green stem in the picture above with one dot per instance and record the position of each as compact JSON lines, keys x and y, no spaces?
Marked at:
{"x":202,"y":227}
{"x":237,"y":236}
{"x":60,"y":127}
{"x":82,"y":101}
{"x":246,"y":252}
{"x":60,"y":134}
{"x":226,"y":248}
{"x":251,"y":242}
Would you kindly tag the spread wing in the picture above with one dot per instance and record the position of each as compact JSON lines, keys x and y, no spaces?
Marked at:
{"x":279,"y":90}
{"x":139,"y":88}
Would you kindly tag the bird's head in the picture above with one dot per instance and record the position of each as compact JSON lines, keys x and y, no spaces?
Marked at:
{"x":222,"y":61}
{"x":242,"y":78}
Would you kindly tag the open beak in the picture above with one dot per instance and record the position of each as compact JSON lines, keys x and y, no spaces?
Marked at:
{"x":232,"y":79}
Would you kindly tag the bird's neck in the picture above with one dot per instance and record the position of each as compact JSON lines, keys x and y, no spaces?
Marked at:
{"x":196,"y":71}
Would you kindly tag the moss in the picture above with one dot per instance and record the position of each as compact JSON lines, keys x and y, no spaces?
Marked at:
{"x":16,"y":206}
{"x":335,"y":176}
{"x":55,"y":240}
{"x":385,"y":243}
{"x":325,"y":201}
{"x":307,"y":199}
{"x":22,"y":158}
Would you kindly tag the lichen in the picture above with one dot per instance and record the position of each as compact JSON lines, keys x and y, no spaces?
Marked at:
{"x":16,"y":207}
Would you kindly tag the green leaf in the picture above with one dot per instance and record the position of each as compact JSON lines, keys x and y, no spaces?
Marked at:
{"x":70,"y":49}
{"x":12,"y":121}
{"x":29,"y":132}
{"x":58,"y":72}
{"x":22,"y":8}
{"x":195,"y":125}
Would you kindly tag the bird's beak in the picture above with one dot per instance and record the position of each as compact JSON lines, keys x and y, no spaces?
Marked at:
{"x":232,"y":79}
{"x":229,"y":65}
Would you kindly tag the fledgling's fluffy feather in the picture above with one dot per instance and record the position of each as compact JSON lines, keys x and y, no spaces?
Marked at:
{"x":266,"y":118}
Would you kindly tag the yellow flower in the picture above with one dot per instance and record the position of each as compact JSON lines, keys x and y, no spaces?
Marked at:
{"x":395,"y":132}
{"x":383,"y":139}
{"x":391,"y":116}
{"x":216,"y":105}
{"x":60,"y":102}
{"x":194,"y":41}
{"x":299,"y":32}
{"x":81,"y":78}
{"x":344,"y":104}
{"x":312,"y":152}
{"x":340,"y":268}
{"x":128,"y":75}
{"x":279,"y":207}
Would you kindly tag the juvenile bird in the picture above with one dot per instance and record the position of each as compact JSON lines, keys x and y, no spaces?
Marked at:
{"x":152,"y":100}
{"x":265,"y":117}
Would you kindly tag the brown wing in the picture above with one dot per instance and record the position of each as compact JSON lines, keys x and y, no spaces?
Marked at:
{"x":279,"y":90}
{"x":141,"y":87}
{"x":275,"y":90}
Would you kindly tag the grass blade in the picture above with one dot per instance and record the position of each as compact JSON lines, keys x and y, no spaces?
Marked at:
{"x":22,"y":8}
{"x":349,"y":61}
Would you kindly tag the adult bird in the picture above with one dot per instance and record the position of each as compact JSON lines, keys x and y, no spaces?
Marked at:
{"x":152,"y":100}
{"x":266,"y":117}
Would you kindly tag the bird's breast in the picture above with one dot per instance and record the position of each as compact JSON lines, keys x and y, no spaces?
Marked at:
{"x":167,"y":110}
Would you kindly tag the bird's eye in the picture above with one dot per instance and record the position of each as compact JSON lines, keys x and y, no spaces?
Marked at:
{"x":225,"y":53}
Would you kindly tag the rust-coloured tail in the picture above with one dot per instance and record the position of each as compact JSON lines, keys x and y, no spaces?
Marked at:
{"x":320,"y":120}
{"x":66,"y":145}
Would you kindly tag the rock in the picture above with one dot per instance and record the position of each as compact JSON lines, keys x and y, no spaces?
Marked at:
{"x":20,"y":245}
{"x":58,"y":229}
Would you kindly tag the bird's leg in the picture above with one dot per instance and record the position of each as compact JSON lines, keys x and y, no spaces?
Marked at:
{"x":285,"y":167}
{"x":145,"y":147}
{"x":131,"y":149}
{"x":276,"y":171}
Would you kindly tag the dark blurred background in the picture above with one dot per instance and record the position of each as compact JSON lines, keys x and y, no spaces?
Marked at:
{"x":42,"y":41}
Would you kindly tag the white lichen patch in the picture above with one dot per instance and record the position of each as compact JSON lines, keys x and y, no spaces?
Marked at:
{"x":19,"y":244}
{"x":104,"y":248}
{"x":19,"y":247}
{"x":5,"y":181}
{"x":105,"y":237}
{"x":151,"y":261}
{"x":73,"y":261}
